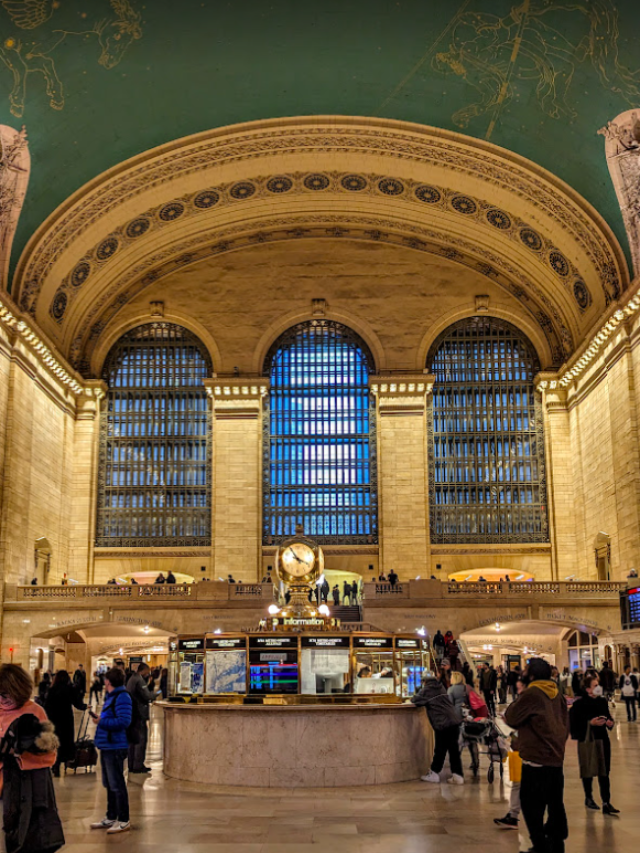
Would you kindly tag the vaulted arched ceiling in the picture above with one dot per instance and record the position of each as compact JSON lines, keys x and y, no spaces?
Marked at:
{"x":323,"y":178}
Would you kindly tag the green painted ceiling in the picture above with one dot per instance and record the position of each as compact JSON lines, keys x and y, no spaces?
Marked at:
{"x":544,"y":76}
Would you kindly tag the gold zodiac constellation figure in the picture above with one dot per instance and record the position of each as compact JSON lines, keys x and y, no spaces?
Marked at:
{"x":33,"y":29}
{"x":541,"y":41}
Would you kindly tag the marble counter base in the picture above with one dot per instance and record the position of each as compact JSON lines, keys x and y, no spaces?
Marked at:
{"x":296,"y":746}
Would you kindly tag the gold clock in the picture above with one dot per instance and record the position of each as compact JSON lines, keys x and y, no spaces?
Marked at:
{"x":299,"y":562}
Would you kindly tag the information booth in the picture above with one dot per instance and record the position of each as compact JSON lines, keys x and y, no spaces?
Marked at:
{"x":267,"y":667}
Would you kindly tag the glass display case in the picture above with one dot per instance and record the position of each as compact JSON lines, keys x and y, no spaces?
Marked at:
{"x":410,"y":659}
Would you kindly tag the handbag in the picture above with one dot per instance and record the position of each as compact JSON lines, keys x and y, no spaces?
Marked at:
{"x":476,"y":703}
{"x":515,"y":766}
{"x":591,"y":756}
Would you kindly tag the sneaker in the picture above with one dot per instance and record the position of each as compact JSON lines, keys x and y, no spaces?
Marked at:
{"x":607,"y":808}
{"x":118,"y":827}
{"x":455,"y":779}
{"x":105,"y":823}
{"x":431,"y":777}
{"x":590,"y":803}
{"x":506,"y":822}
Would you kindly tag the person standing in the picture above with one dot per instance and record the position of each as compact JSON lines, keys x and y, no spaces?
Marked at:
{"x":335,"y":592}
{"x":43,"y":688}
{"x":445,"y":723}
{"x":27,"y":751}
{"x":467,"y":673}
{"x":354,"y":592}
{"x":346,"y":593}
{"x":141,"y":696}
{"x":488,"y":685}
{"x":393,"y":578}
{"x":96,"y":689}
{"x":608,"y":681}
{"x":514,"y":678}
{"x":80,"y":680}
{"x":541,"y":719}
{"x":502,"y":685}
{"x":325,"y":591}
{"x":591,"y":722}
{"x":512,"y":818}
{"x":171,"y":578}
{"x":438,"y":646}
{"x":111,"y":740}
{"x":629,"y":692}
{"x":62,"y":699}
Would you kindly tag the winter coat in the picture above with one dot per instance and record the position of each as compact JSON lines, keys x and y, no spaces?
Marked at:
{"x":585,"y":709}
{"x":458,"y":695}
{"x":438,"y":641}
{"x":541,"y":717}
{"x":115,"y":719}
{"x":440,"y":711}
{"x":489,"y":681}
{"x":80,"y":680}
{"x":141,"y":696}
{"x":607,"y":679}
{"x":59,"y":705}
{"x":31,"y":820}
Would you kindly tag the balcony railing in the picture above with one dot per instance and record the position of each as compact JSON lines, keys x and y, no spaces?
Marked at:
{"x":503,"y":590}
{"x":204,"y":591}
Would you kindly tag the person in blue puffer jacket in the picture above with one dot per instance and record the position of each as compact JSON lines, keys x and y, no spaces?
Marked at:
{"x":111,"y":740}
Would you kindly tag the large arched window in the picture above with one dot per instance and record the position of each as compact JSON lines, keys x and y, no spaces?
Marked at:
{"x":486,"y":447}
{"x":154,"y":483}
{"x":319,"y":451}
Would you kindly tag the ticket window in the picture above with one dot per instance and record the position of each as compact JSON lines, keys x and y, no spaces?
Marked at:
{"x":373,"y":665}
{"x":190,"y":666}
{"x":324,"y":665}
{"x":409,"y":668}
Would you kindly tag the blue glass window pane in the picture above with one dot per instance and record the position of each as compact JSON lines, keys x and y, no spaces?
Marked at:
{"x":486,"y":448}
{"x":320,"y":442}
{"x":155,"y":448}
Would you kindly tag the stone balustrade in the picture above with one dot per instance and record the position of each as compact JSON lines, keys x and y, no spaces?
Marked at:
{"x":203,"y":591}
{"x":382,"y":593}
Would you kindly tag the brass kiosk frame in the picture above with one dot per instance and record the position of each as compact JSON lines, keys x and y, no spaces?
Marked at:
{"x":409,"y":655}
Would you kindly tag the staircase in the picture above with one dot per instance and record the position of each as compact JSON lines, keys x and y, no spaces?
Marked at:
{"x":346,"y":612}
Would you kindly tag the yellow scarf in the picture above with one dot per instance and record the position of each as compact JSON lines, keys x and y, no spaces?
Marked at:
{"x":549,"y":688}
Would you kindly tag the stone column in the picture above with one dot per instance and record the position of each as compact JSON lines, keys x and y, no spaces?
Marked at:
{"x":237,"y":476}
{"x":626,"y":459}
{"x":560,"y":459}
{"x":403,"y":490}
{"x":84,"y":490}
{"x":635,"y":656}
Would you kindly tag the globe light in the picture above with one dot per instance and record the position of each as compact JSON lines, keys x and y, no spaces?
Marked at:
{"x":274,"y":609}
{"x":324,"y":610}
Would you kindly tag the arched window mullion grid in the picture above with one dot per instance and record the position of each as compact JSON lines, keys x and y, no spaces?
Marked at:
{"x":487,"y":478}
{"x":319,"y":438}
{"x":154,"y":475}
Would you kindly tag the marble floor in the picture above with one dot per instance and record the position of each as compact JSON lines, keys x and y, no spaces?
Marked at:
{"x":411,"y":817}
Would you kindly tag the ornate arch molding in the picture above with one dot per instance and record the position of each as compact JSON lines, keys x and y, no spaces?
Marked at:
{"x":427,"y":189}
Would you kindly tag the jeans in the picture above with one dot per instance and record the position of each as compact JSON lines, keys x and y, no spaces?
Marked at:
{"x":138,"y":749}
{"x":514,"y":801}
{"x":447,"y":742}
{"x":112,"y":761}
{"x":542,"y":790}
{"x":630,"y":702}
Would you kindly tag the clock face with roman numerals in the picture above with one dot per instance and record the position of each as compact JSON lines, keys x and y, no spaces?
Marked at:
{"x":298,"y":559}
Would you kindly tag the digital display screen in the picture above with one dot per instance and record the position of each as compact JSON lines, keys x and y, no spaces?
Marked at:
{"x":194,"y":645}
{"x":325,"y":642}
{"x":226,"y":642}
{"x":634,"y":606}
{"x":372,"y":642}
{"x":273,"y":671}
{"x":407,"y":643}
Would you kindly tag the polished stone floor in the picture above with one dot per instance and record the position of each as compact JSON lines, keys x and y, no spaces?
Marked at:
{"x":410,"y":817}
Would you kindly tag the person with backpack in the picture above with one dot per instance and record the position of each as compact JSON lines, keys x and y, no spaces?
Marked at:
{"x":445,"y":722}
{"x":59,"y":704}
{"x":111,"y":740}
{"x":629,"y":692}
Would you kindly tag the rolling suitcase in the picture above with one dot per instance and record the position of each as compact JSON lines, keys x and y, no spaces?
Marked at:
{"x":86,"y":754}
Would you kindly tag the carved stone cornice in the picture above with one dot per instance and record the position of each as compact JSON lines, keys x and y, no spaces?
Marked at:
{"x":118,"y":228}
{"x":236,"y":397}
{"x":401,"y":394}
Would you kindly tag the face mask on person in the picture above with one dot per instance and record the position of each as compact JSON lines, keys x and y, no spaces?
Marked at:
{"x":597,"y":690}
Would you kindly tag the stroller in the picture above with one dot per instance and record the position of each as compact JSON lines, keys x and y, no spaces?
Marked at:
{"x":485,"y":733}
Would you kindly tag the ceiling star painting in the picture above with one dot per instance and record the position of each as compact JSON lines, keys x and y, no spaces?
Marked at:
{"x":96,"y":82}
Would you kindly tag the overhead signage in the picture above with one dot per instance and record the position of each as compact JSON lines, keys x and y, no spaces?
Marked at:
{"x":372,"y":642}
{"x":195,"y":645}
{"x":325,"y":642}
{"x":634,"y":606}
{"x":226,"y":642}
{"x":408,"y":643}
{"x":273,"y":642}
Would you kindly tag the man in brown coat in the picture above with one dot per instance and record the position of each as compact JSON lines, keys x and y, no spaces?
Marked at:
{"x":541,"y":719}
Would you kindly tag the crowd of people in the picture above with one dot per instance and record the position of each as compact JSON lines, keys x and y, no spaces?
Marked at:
{"x":541,"y":707}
